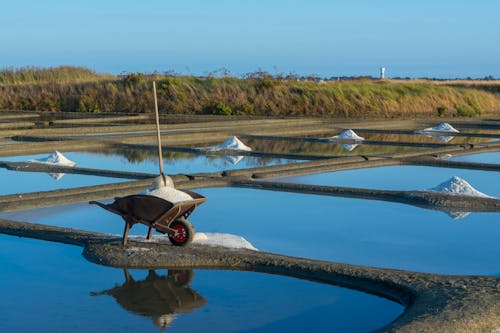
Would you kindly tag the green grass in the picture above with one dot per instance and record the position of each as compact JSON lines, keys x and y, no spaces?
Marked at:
{"x":78,"y":89}
{"x":61,"y":74}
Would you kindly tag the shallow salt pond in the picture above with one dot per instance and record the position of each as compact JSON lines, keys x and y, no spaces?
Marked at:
{"x":401,"y":178}
{"x":134,"y":160}
{"x":59,"y":291}
{"x":324,"y":148}
{"x":354,"y":231}
{"x":490,"y":158}
{"x":13,"y":182}
{"x":420,"y":138}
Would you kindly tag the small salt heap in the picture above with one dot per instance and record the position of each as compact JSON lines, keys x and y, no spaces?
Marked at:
{"x":224,"y":240}
{"x":458,"y":186}
{"x":232,"y":143}
{"x":443,"y":127}
{"x":56,"y":158}
{"x":166,"y":190}
{"x":348,"y":134}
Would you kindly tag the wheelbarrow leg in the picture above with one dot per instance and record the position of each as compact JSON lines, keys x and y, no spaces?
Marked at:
{"x":128,"y":224}
{"x":150,"y":231}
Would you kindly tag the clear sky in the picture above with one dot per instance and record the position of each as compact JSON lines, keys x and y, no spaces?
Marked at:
{"x":425,"y":38}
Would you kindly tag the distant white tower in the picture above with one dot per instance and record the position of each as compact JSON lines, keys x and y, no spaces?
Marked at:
{"x":382,"y":73}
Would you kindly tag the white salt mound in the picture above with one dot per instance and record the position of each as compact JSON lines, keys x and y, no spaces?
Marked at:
{"x":457,"y":185}
{"x":231,"y":143}
{"x":348,"y":134}
{"x":224,"y":240}
{"x":443,"y":127}
{"x":56,"y":158}
{"x":169,"y":194}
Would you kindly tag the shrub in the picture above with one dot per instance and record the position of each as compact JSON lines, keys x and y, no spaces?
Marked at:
{"x":441,"y":110}
{"x":465,"y":110}
{"x":134,"y":79}
{"x":220,"y":108}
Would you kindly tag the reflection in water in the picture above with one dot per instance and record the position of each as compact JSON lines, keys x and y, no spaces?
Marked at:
{"x":56,"y":176}
{"x":158,"y":297}
{"x":137,"y":156}
{"x":234,"y":159}
{"x":458,"y":215}
{"x":349,"y":147}
{"x":440,"y":137}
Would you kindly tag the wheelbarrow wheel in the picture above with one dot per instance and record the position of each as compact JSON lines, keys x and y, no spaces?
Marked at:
{"x":184,"y":232}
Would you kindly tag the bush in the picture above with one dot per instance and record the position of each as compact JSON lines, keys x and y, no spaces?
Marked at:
{"x":441,"y":110}
{"x":134,"y":79}
{"x":465,"y":110}
{"x":220,"y":108}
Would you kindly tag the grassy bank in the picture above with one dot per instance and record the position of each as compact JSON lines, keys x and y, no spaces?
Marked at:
{"x":77,"y":89}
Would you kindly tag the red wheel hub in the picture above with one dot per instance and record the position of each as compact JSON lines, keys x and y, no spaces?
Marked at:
{"x":180,"y":233}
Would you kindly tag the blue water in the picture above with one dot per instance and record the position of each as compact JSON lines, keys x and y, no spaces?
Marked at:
{"x":492,"y":158}
{"x":23,"y":182}
{"x":148,"y":162}
{"x":47,"y":287}
{"x":352,"y":231}
{"x":402,"y":178}
{"x":13,"y":182}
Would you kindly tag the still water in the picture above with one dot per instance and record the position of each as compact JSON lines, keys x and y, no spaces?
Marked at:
{"x":13,"y":182}
{"x":344,"y":230}
{"x":491,"y":158}
{"x":48,"y":287}
{"x":135,"y":160}
{"x":325,"y":148}
{"x":401,"y":178}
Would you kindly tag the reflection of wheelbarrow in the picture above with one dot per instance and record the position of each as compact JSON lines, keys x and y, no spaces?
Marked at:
{"x":159,"y":297}
{"x":164,"y":216}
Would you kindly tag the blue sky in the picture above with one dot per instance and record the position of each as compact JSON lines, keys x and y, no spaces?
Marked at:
{"x":439,"y":38}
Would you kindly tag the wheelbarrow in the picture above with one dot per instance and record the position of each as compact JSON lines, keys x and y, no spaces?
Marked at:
{"x":162,"y":215}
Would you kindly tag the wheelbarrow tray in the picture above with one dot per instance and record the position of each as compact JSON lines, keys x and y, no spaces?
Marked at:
{"x":152,"y":211}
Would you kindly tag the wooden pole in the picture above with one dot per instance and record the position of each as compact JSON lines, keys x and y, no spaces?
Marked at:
{"x":160,"y":154}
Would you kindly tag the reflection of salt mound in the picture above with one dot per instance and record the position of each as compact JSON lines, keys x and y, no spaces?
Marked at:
{"x":443,"y":127}
{"x":232,"y":143}
{"x":224,"y":240}
{"x":56,"y":176}
{"x":458,"y":215}
{"x":441,"y":138}
{"x":349,"y":147}
{"x":56,"y":158}
{"x":458,"y":186}
{"x":169,"y":194}
{"x":234,"y":159}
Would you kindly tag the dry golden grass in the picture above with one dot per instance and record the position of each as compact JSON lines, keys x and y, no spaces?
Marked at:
{"x":82,"y":90}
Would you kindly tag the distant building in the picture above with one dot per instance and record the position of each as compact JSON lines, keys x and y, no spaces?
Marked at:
{"x":382,"y":73}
